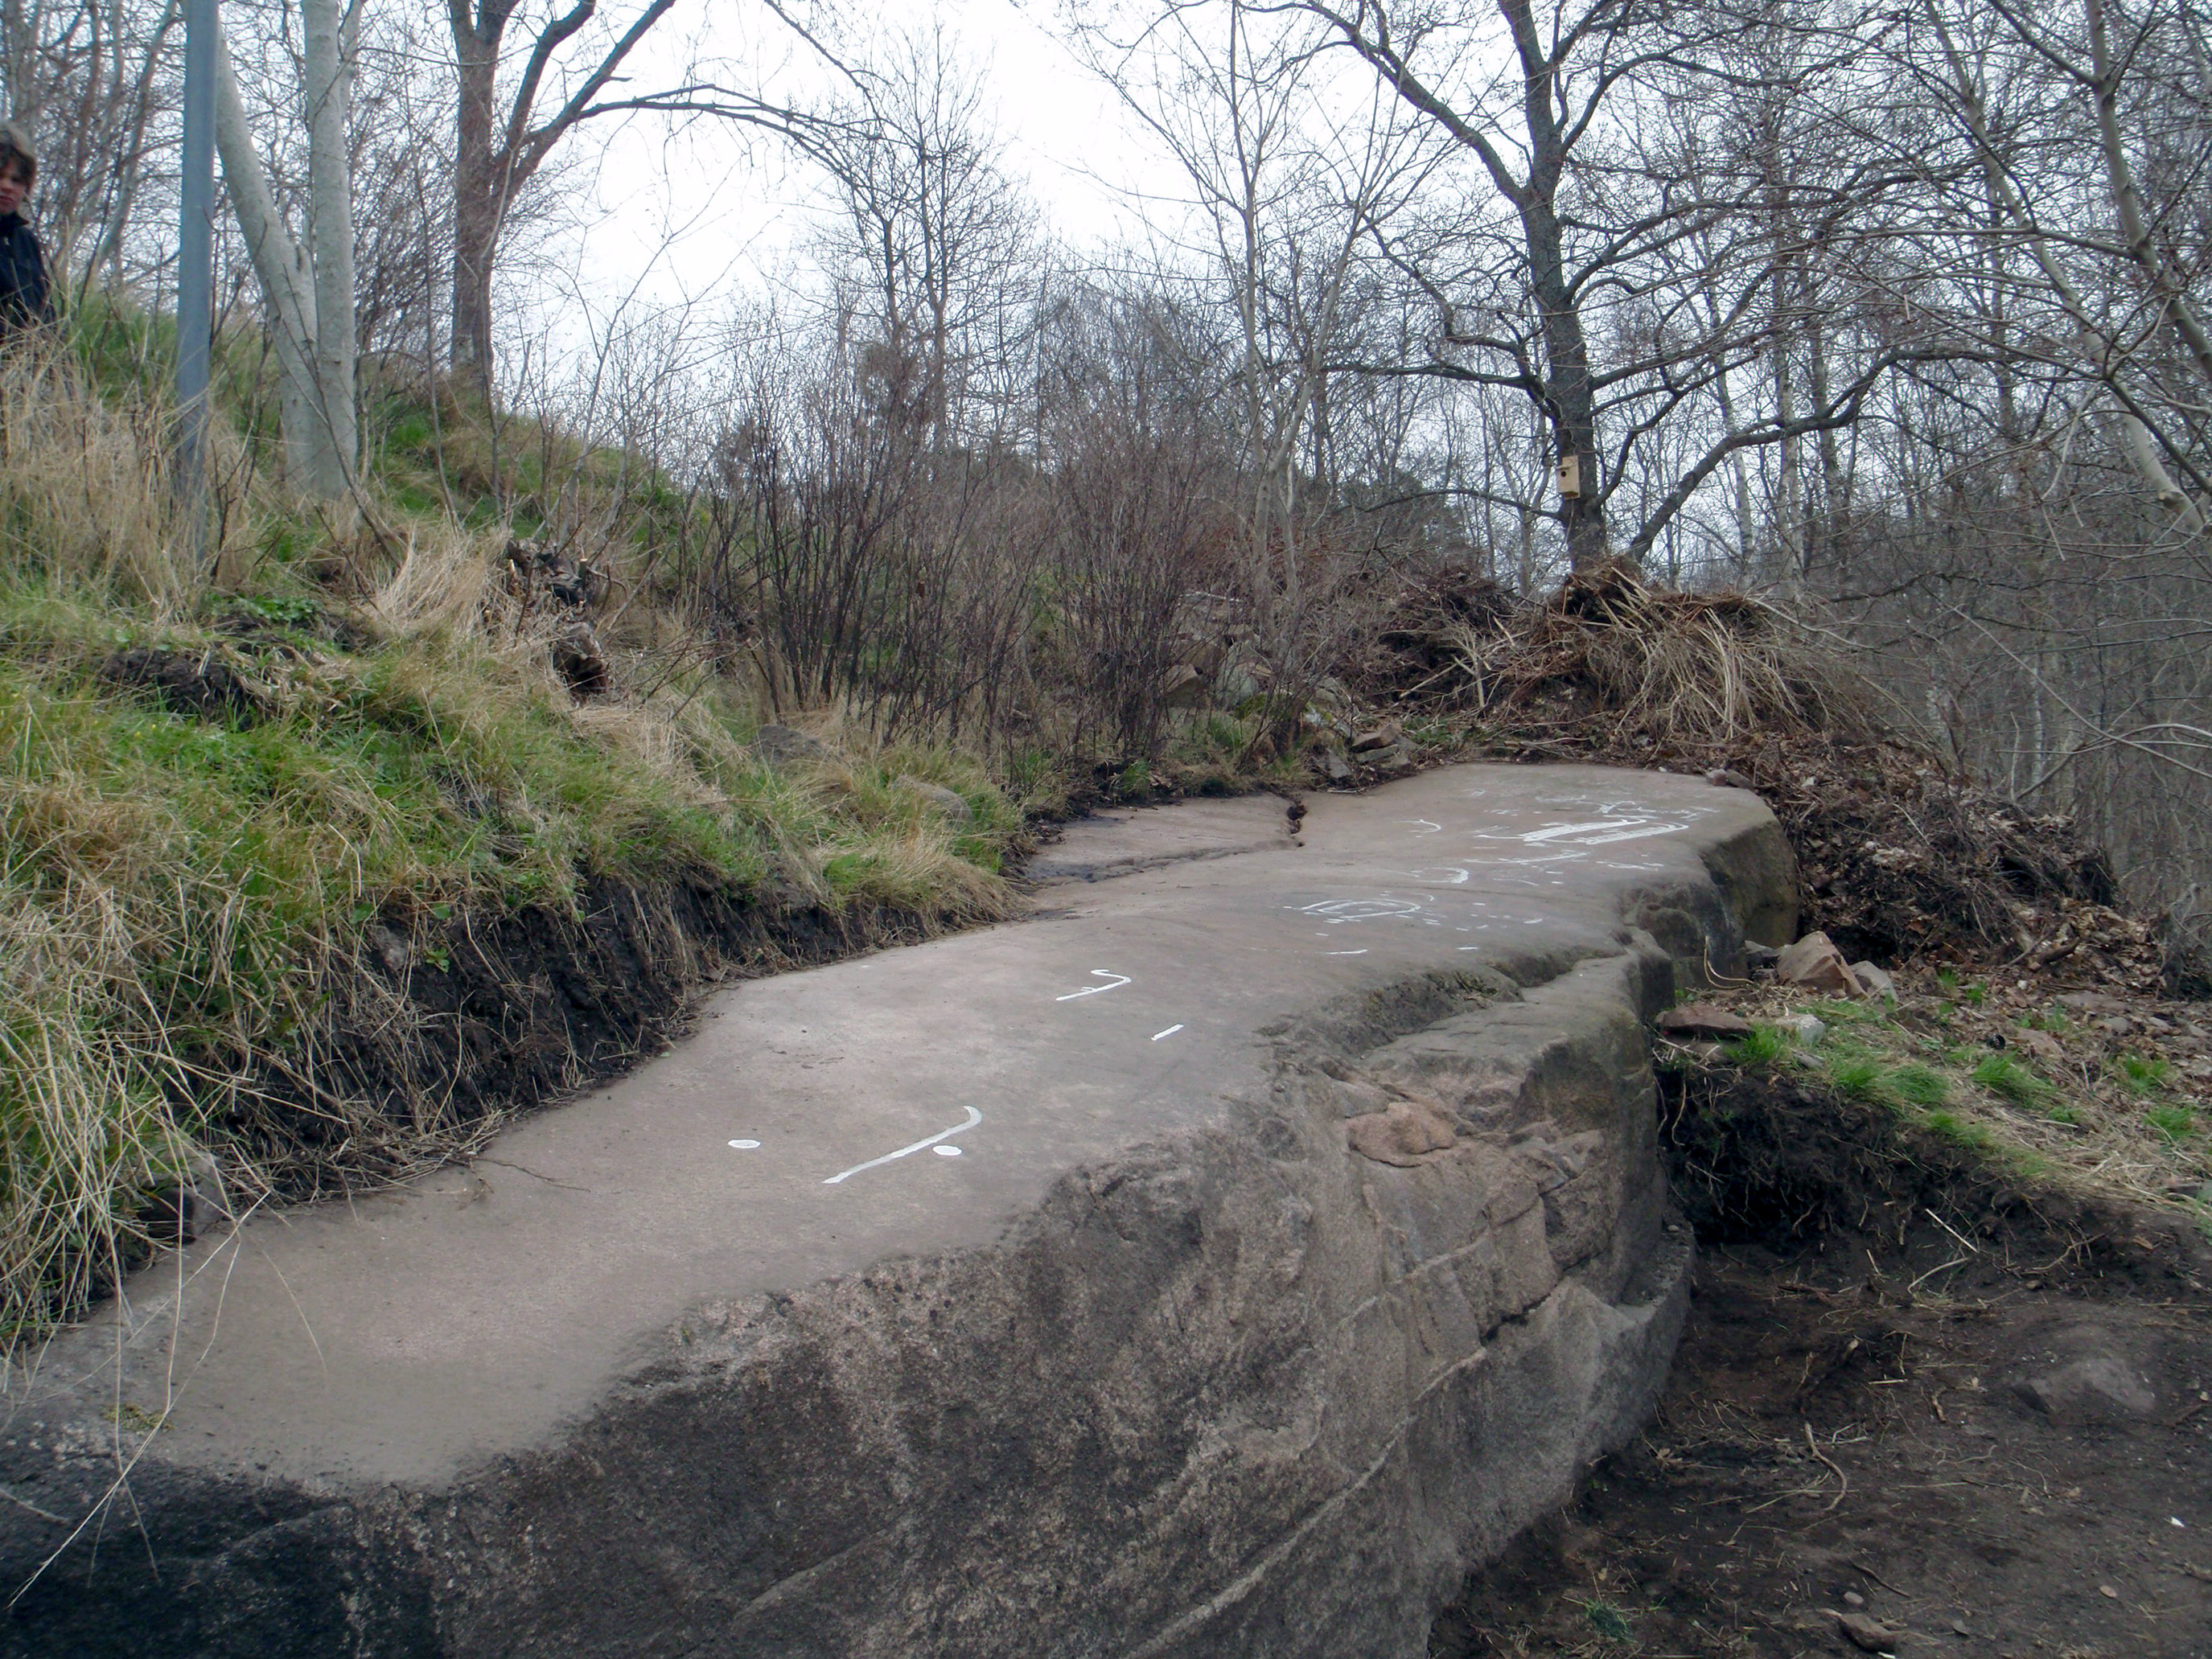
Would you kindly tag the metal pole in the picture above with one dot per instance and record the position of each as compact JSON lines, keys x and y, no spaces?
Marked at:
{"x":195,"y":265}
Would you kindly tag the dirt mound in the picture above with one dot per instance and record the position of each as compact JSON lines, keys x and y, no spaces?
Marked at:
{"x":1902,"y":858}
{"x":1909,"y":1393}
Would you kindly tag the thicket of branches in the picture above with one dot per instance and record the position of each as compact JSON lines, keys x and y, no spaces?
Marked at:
{"x":1895,"y":308}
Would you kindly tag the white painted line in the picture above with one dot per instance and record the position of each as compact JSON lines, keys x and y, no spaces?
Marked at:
{"x":947,"y":1152}
{"x":745,"y":1146}
{"x":974,"y":1117}
{"x":1170,"y":1031}
{"x":1344,"y":953}
{"x":1119,"y":980}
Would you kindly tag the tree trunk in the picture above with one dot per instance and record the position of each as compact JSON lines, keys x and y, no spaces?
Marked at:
{"x":288,"y":294}
{"x":478,"y":189}
{"x":331,"y":44}
{"x":1569,"y":400}
{"x":314,"y":348}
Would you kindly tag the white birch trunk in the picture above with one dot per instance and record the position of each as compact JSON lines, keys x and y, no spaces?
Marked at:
{"x":307,"y":292}
{"x":332,"y":41}
{"x":288,"y":299}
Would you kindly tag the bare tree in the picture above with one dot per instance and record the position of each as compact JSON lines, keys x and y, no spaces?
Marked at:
{"x":307,"y":279}
{"x":572,"y":63}
{"x":942,"y":239}
{"x":1593,"y":229}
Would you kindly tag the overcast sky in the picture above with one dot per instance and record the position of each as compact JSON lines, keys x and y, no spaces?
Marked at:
{"x":703,"y":214}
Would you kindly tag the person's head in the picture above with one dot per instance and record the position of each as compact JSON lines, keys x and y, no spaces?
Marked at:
{"x":19,"y":167}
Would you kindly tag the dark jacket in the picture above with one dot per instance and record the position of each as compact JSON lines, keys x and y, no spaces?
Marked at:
{"x":22,"y":277}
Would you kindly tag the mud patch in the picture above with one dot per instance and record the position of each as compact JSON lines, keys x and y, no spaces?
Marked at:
{"x":1909,"y":1393}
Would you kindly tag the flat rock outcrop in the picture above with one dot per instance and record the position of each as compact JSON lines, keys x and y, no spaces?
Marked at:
{"x":1219,"y":1262}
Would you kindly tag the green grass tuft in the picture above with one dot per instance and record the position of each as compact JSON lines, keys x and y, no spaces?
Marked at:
{"x":1919,"y":1086}
{"x":2005,"y":1078}
{"x":1766,"y":1046}
{"x":1960,"y":1132}
{"x":1610,"y":1622}
{"x":1859,"y":1076}
{"x":2174,"y":1123}
{"x":2144,"y":1074}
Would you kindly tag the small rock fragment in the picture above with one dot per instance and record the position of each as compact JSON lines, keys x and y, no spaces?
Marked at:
{"x":1382,"y":737}
{"x":2090,"y":1002}
{"x":1876,"y":981}
{"x":1807,"y":1029}
{"x":1727,"y":779}
{"x":1870,"y":1634}
{"x":1814,"y":963}
{"x":2095,"y":1387}
{"x":778,"y":745}
{"x":946,"y":801}
{"x":1703,"y":1019}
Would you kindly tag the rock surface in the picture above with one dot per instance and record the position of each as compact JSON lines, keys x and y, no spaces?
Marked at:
{"x":1220,"y":1263}
{"x":1814,"y":963}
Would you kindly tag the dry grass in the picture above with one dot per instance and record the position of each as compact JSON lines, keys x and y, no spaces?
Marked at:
{"x":1663,"y":670}
{"x":85,"y":487}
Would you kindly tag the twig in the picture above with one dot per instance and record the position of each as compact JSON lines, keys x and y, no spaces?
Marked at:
{"x":1812,"y":1446}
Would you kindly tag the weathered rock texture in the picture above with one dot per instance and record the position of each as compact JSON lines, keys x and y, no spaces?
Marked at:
{"x":1267,"y":1381}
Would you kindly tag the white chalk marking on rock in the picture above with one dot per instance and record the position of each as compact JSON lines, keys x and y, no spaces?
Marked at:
{"x":946,"y":1151}
{"x":1631,"y":835}
{"x":1336,"y":911}
{"x":1119,"y":980}
{"x":1577,"y":831}
{"x":974,"y":1117}
{"x":1344,"y":953}
{"x":1170,"y":1031}
{"x":745,"y":1146}
{"x":1425,"y":826}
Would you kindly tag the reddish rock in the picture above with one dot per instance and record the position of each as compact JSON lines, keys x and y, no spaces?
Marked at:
{"x":1703,"y":1019}
{"x":1400,"y":1134}
{"x":1814,"y":963}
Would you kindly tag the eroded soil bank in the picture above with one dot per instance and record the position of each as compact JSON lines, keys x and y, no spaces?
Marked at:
{"x":1907,"y":1393}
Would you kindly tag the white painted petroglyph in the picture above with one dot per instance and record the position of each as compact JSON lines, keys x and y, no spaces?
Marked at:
{"x":946,"y":1151}
{"x":1600,"y":832}
{"x":1424,"y":825}
{"x":1170,"y":1032}
{"x":1119,"y":980}
{"x":1361,"y":952}
{"x":1336,"y":911}
{"x":974,"y":1117}
{"x":745,"y":1145}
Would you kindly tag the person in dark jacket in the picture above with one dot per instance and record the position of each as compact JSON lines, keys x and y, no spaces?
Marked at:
{"x":24,"y":298}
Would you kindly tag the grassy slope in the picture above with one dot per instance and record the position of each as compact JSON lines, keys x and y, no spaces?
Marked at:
{"x":2012,"y":1077}
{"x":178,"y":888}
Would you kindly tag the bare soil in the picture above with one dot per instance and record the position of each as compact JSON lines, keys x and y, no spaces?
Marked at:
{"x":1908,"y":1394}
